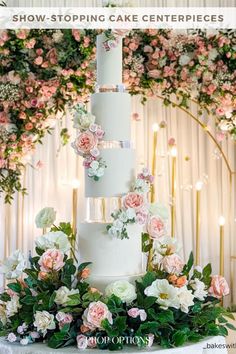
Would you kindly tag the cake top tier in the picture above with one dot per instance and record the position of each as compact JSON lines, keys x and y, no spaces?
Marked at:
{"x":109,"y":62}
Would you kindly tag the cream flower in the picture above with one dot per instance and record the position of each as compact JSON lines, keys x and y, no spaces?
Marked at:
{"x":44,"y":321}
{"x":45,"y":218}
{"x":13,"y":306}
{"x":62,"y":295}
{"x":58,"y":240}
{"x":3,"y":315}
{"x":185,"y":299}
{"x":199,"y":289}
{"x":123,"y":289}
{"x":166,"y":294}
{"x":14,"y":265}
{"x":83,"y":120}
{"x":167,"y":245}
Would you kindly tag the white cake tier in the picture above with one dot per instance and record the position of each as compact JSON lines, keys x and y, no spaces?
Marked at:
{"x":118,"y":175}
{"x":111,"y":257}
{"x":109,"y":63}
{"x":112,"y":111}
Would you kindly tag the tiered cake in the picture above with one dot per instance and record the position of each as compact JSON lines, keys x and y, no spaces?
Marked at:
{"x":113,"y":259}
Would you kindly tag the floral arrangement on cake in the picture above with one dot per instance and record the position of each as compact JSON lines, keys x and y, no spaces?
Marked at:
{"x":86,"y":143}
{"x":44,"y":71}
{"x":48,"y":300}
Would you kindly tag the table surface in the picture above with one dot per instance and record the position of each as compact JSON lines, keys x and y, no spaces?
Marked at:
{"x":204,"y":347}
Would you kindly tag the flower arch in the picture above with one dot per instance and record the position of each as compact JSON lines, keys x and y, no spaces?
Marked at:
{"x":44,"y":71}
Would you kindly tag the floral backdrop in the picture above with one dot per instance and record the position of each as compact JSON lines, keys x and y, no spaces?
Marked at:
{"x":43,"y":72}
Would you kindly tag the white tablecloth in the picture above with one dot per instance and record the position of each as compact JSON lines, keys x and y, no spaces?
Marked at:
{"x":208,"y":346}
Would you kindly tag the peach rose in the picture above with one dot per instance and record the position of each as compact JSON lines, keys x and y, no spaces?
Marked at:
{"x":133,"y":200}
{"x":172,"y":264}
{"x":51,"y":260}
{"x":84,"y":329}
{"x":95,"y":314}
{"x":85,"y":142}
{"x":85,"y":273}
{"x":42,"y":275}
{"x":156,"y":227}
{"x":178,"y":282}
{"x":219,"y":287}
{"x":38,"y":60}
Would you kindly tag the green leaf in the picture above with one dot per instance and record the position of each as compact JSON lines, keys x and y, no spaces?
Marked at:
{"x":231,"y":326}
{"x":149,"y":301}
{"x":74,"y":300}
{"x":179,"y":338}
{"x":166,"y":316}
{"x":148,"y":327}
{"x":16,"y":287}
{"x":57,"y":340}
{"x":146,"y":243}
{"x":51,"y":300}
{"x":82,"y":266}
{"x":120,"y":324}
{"x":29,"y":300}
{"x":189,"y":264}
{"x":148,"y":279}
{"x":115,"y":304}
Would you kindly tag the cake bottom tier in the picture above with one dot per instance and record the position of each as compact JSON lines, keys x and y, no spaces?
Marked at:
{"x":111,"y":258}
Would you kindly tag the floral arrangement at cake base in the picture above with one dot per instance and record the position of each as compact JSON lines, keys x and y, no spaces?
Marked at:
{"x":48,"y":300}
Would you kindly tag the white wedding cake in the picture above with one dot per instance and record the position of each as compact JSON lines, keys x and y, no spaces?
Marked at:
{"x":112,"y":258}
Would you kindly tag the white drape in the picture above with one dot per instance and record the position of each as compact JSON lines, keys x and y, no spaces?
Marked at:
{"x":197,"y":159}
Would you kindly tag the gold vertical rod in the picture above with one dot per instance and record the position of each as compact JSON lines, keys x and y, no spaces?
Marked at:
{"x":222,"y":250}
{"x":154,"y":164}
{"x":104,"y":209}
{"x":173,"y":192}
{"x":197,"y":253}
{"x":74,"y":209}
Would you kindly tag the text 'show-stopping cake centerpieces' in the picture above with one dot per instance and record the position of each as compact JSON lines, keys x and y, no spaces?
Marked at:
{"x":47,"y":297}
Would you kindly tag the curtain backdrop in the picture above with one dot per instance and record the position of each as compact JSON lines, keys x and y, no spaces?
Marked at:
{"x":197,"y":159}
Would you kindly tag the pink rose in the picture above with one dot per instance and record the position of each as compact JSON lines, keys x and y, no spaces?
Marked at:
{"x":172,"y":264}
{"x":85,"y":142}
{"x":63,"y":318}
{"x":155,"y":74}
{"x":99,"y":133}
{"x":38,"y":60}
{"x":133,"y":200}
{"x":95,"y":314}
{"x":219,"y":287}
{"x":135,"y":312}
{"x":92,"y":342}
{"x":76,"y":34}
{"x":39,"y":51}
{"x":30,"y":43}
{"x":52,"y":56}
{"x":51,"y":260}
{"x":82,"y":341}
{"x":22,"y":34}
{"x":4,"y":118}
{"x":29,"y":126}
{"x":141,"y":216}
{"x":156,"y":227}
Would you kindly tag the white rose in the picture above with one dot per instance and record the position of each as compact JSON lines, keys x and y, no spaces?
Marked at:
{"x":225,"y":125}
{"x":113,"y":232}
{"x":141,"y":185}
{"x":82,"y":342}
{"x":131,"y":214}
{"x":100,"y":172}
{"x":123,"y":289}
{"x":57,"y":239}
{"x":11,"y":337}
{"x":12,"y":306}
{"x":45,"y":218}
{"x":123,"y":216}
{"x":62,"y":295}
{"x":43,"y":321}
{"x":94,"y":165}
{"x":14,"y":265}
{"x":199,"y":289}
{"x":57,"y":36}
{"x":83,"y":120}
{"x":185,"y":299}
{"x":184,"y":59}
{"x":24,"y":341}
{"x":212,"y":54}
{"x":158,"y":209}
{"x":118,"y":224}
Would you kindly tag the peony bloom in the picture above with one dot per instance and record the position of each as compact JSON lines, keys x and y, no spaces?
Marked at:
{"x":135,"y":312}
{"x":219,"y":287}
{"x":156,"y":227}
{"x":122,"y":289}
{"x":172,"y":264}
{"x":63,"y":295}
{"x":51,"y":260}
{"x":133,"y":200}
{"x":95,"y":314}
{"x":45,"y":218}
{"x":13,"y":267}
{"x":57,"y":240}
{"x":166,"y":294}
{"x":44,"y":321}
{"x":85,"y":142}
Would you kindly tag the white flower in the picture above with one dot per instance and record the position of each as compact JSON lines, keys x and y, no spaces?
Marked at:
{"x":95,"y":152}
{"x":212,"y":54}
{"x":3,"y":315}
{"x":184,"y":59}
{"x":45,"y":218}
{"x":62,"y":295}
{"x":14,"y":265}
{"x":12,"y":306}
{"x":185,"y":299}
{"x":43,"y":321}
{"x":114,"y":232}
{"x":123,"y":289}
{"x":199,"y":289}
{"x":123,"y":216}
{"x":131,"y":214}
{"x":167,"y":245}
{"x":57,"y":36}
{"x":225,"y":125}
{"x":94,"y":165}
{"x":166,"y":294}
{"x":158,"y":209}
{"x":82,"y":342}
{"x":57,"y":239}
{"x":24,"y":341}
{"x":141,"y":185}
{"x":118,"y":224}
{"x":100,"y":172}
{"x":198,"y":269}
{"x":83,"y":120}
{"x":11,"y":337}
{"x":21,"y":329}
